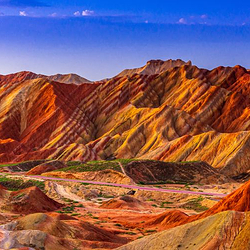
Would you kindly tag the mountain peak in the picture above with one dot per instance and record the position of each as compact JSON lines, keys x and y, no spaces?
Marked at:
{"x":153,"y":67}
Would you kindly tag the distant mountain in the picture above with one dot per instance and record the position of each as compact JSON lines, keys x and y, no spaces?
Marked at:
{"x":68,"y":78}
{"x":27,"y":75}
{"x":181,"y":113}
{"x":154,"y":67}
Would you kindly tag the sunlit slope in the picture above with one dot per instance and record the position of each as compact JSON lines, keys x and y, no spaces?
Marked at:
{"x":181,"y":114}
{"x":227,"y":229}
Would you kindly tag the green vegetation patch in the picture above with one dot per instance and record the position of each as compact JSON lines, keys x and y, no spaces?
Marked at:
{"x":17,"y":184}
{"x":195,"y":204}
{"x":91,"y":166}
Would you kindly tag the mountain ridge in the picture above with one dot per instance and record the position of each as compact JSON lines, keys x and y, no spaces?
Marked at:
{"x":175,"y":115}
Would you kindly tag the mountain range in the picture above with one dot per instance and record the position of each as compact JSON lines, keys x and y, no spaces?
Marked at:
{"x":169,"y":111}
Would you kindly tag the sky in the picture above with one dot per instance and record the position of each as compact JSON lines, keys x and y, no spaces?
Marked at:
{"x":97,"y":39}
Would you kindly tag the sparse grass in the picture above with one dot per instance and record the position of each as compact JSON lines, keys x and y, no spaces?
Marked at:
{"x":68,"y":209}
{"x":23,"y":162}
{"x":118,"y":225}
{"x":14,"y":184}
{"x":165,"y":203}
{"x":151,"y":231}
{"x":19,"y":196}
{"x":195,"y":204}
{"x":75,"y":166}
{"x":130,"y":233}
{"x":80,"y":205}
{"x":151,"y":199}
{"x":75,"y":214}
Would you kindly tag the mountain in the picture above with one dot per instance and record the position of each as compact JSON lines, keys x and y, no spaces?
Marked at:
{"x":154,"y":67}
{"x":26,"y":75}
{"x":175,"y":112}
{"x":68,"y":78}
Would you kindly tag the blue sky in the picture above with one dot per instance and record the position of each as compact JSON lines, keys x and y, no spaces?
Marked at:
{"x":97,"y":39}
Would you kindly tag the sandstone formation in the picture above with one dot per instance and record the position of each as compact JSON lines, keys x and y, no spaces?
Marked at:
{"x":29,"y":200}
{"x":124,"y":202}
{"x":239,"y":201}
{"x":169,"y":111}
{"x":154,"y":67}
{"x":186,"y":172}
{"x":42,"y":231}
{"x":226,"y":230}
{"x":107,"y":175}
{"x":46,"y":167}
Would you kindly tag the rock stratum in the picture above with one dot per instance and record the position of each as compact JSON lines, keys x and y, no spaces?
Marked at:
{"x":223,"y":226}
{"x":167,"y":111}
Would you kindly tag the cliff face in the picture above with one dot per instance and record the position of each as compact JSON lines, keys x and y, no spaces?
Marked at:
{"x":172,"y":113}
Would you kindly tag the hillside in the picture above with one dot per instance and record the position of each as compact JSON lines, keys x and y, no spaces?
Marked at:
{"x":178,"y":113}
{"x":228,"y":229}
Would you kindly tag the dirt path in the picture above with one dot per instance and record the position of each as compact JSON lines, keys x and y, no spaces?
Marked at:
{"x":126,"y":186}
{"x":62,"y":192}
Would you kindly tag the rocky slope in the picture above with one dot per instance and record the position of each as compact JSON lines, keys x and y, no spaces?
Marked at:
{"x":224,"y":226}
{"x":227,"y":230}
{"x":185,"y":172}
{"x":46,"y":167}
{"x":154,"y":67}
{"x":239,"y":201}
{"x":170,"y":111}
{"x":42,"y":231}
{"x":26,"y":201}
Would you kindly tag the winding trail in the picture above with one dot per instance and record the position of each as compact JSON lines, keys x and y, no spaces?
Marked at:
{"x":163,"y":190}
{"x":125,"y":186}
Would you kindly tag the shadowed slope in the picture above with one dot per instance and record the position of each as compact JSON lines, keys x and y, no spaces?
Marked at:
{"x":180,"y":113}
{"x":188,"y":172}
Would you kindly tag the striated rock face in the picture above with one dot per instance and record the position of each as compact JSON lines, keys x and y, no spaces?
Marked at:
{"x":168,"y":111}
{"x":154,"y":67}
{"x":188,"y":172}
{"x":227,"y":230}
{"x":124,"y":202}
{"x":238,"y":201}
{"x":46,"y":167}
{"x":26,"y":75}
{"x":30,"y":200}
{"x":68,"y":78}
{"x":43,"y":231}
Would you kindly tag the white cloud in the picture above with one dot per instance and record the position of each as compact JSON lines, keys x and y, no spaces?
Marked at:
{"x":146,"y":21}
{"x":182,"y":21}
{"x":87,"y":13}
{"x":53,"y":14}
{"x":22,"y":13}
{"x":204,"y":16}
{"x":77,"y":13}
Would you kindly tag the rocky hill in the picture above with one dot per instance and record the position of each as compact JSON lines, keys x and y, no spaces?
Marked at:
{"x":169,"y":111}
{"x":227,"y":230}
